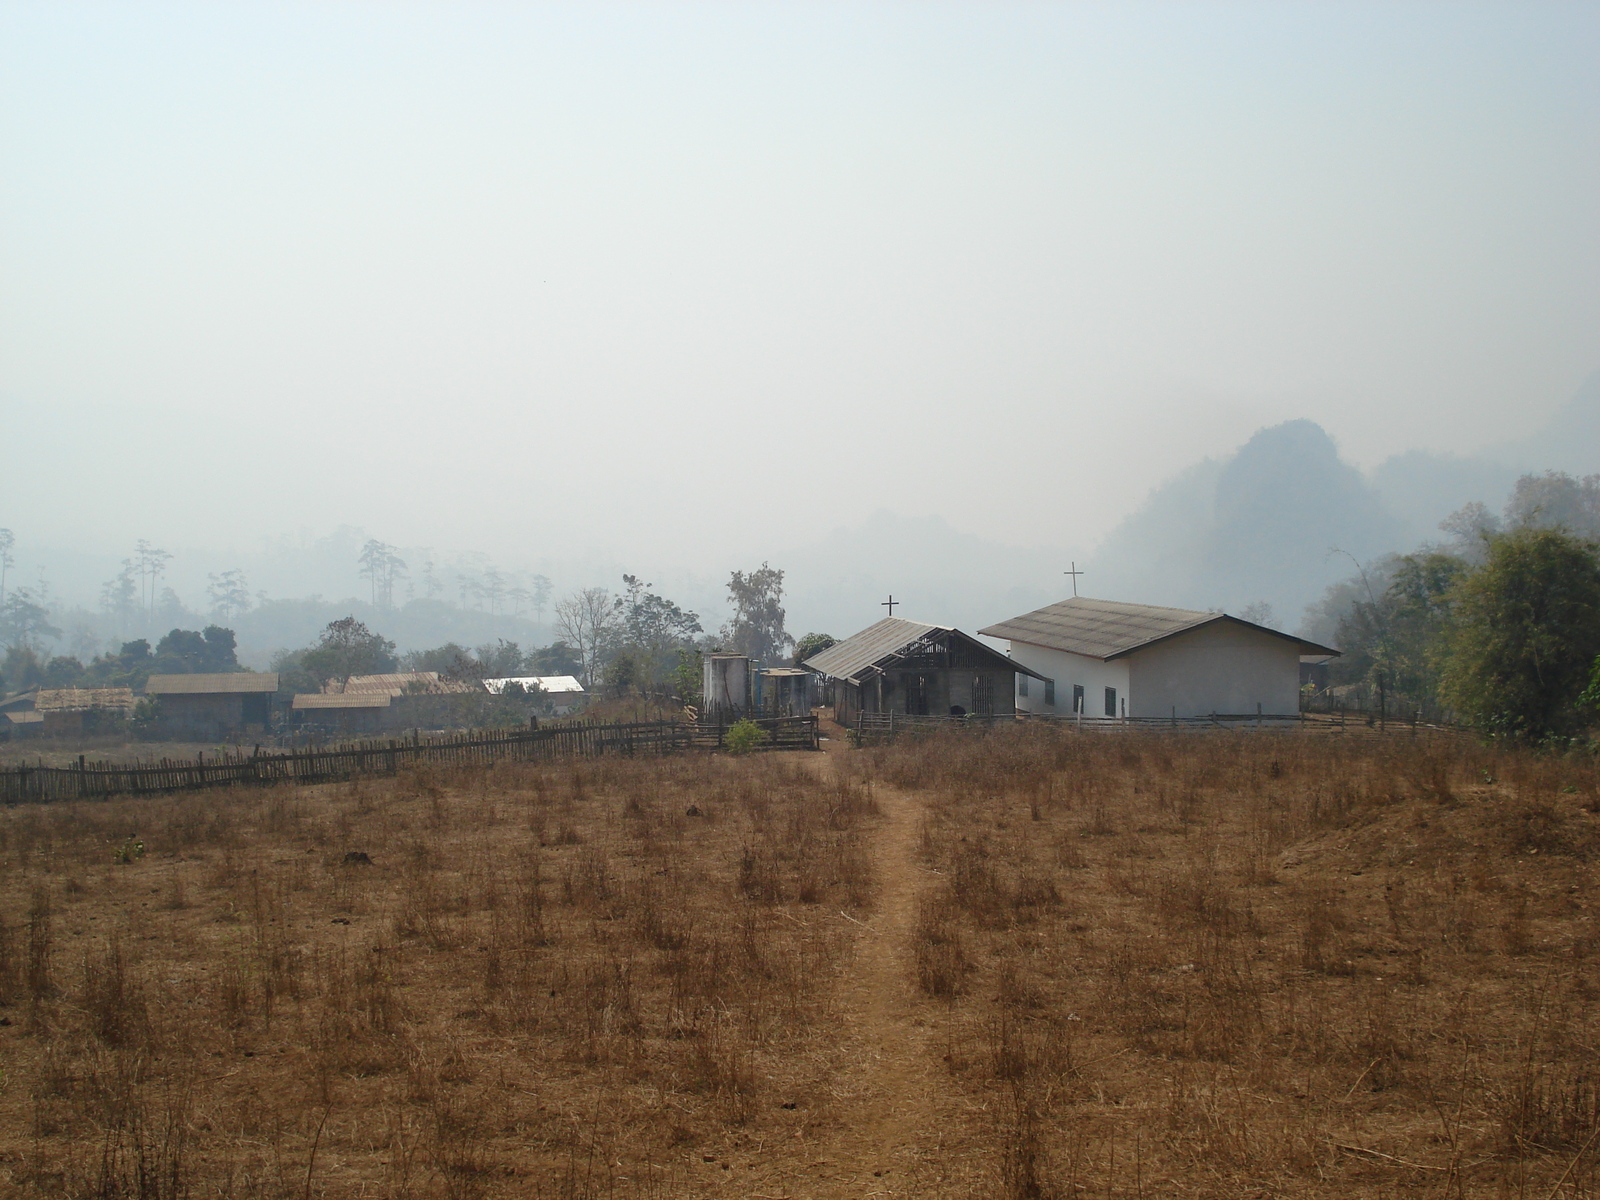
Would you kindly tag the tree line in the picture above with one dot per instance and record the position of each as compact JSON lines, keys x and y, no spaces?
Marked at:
{"x":1498,"y":626}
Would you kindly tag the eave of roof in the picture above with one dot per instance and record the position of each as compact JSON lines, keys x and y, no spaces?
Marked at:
{"x":229,"y":683}
{"x":341,"y":700}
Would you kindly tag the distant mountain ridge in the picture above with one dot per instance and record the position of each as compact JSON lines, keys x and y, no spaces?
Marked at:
{"x":1281,"y":519}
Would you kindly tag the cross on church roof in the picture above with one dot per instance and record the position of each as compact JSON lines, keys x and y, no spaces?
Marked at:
{"x":1074,"y":573}
{"x":889,"y":603}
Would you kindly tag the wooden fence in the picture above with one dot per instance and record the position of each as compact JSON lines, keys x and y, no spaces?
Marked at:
{"x":783,"y":733}
{"x":874,"y":727}
{"x":348,"y":760}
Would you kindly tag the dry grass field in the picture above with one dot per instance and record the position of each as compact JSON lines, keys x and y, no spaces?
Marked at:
{"x":1029,"y":964}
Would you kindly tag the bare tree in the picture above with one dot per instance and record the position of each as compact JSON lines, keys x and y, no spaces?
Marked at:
{"x":587,"y":620}
{"x":230,"y":594}
{"x":152,"y":565}
{"x":541,"y":596}
{"x":383,"y":568}
{"x":494,"y":586}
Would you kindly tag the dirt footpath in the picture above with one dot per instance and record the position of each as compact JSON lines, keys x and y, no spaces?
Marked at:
{"x":888,"y":1136}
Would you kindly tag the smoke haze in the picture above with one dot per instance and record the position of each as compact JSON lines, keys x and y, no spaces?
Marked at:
{"x":926,"y":298}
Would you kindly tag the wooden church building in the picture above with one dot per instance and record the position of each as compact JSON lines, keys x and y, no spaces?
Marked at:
{"x":911,"y":669}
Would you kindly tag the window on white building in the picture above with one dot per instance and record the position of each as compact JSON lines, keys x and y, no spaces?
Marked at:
{"x":1050,"y":692}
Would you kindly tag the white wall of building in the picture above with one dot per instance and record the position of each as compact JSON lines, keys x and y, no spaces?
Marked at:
{"x":1218,"y":668}
{"x":1092,"y":674}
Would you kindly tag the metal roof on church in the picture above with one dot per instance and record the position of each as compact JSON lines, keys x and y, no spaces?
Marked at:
{"x":1107,"y":629}
{"x":878,"y":644}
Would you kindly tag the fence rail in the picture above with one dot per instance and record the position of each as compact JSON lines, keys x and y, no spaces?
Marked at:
{"x":880,"y":726}
{"x":347,"y":760}
{"x":783,"y":733}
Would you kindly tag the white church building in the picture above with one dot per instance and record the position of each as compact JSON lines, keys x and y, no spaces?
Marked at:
{"x":1104,"y":658}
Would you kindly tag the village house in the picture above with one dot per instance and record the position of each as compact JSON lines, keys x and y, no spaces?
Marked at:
{"x":564,"y":693}
{"x":214,"y":705}
{"x":345,"y":712}
{"x":1105,"y":658}
{"x":378,"y":703}
{"x":912,"y":669}
{"x":72,"y":712}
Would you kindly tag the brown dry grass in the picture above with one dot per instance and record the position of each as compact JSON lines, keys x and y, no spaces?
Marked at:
{"x":1031,"y":964}
{"x":1255,"y":965}
{"x":569,"y":980}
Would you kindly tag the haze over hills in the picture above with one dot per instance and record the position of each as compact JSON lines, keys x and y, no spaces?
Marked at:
{"x":1275,"y":522}
{"x":1281,"y":519}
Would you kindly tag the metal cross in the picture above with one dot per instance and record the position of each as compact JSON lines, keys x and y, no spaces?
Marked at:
{"x":1074,"y":573}
{"x":889,"y":603}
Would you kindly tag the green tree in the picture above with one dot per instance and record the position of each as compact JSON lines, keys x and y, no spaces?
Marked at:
{"x":189,"y":652}
{"x":1418,"y":605}
{"x":131,"y":666}
{"x":812,"y":643}
{"x":688,"y":677}
{"x":62,"y":672}
{"x":756,"y":627}
{"x":23,"y":668}
{"x":558,"y":658}
{"x":650,"y":628}
{"x":347,"y":647}
{"x":1526,"y":626}
{"x":1590,"y":700}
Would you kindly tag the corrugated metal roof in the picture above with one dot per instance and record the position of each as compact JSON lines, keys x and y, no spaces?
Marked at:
{"x":851,"y":658}
{"x":83,"y":699}
{"x":879,"y":644}
{"x":399,"y":683}
{"x":554,"y":685}
{"x":200,"y":685}
{"x":1107,"y":629}
{"x":344,"y":700}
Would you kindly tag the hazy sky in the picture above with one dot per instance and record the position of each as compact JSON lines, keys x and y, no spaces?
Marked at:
{"x":683,"y":282}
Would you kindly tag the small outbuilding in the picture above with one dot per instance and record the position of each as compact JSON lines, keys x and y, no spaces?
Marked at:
{"x":1106,"y":658}
{"x":912,"y":669}
{"x":345,"y":712}
{"x":787,"y":691}
{"x":210,"y":706}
